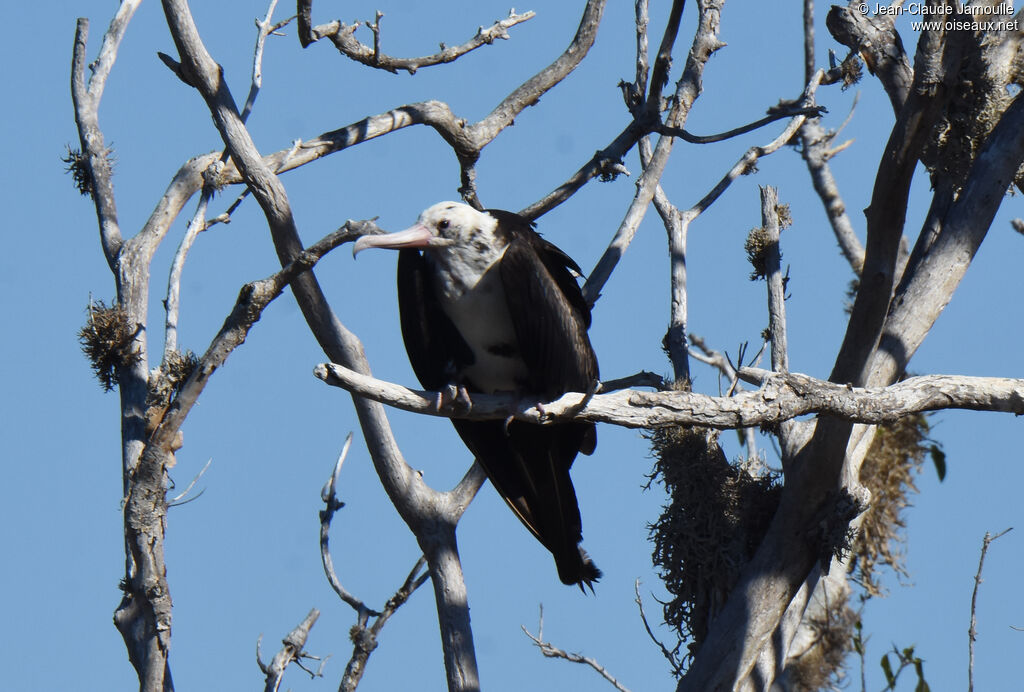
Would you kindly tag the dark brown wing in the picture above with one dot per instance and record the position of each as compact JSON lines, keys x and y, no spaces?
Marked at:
{"x":549,"y":314}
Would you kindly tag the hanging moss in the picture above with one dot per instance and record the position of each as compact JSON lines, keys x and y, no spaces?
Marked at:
{"x":715,"y":517}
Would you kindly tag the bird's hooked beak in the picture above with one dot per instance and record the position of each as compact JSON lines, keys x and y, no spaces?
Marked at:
{"x":417,"y":235}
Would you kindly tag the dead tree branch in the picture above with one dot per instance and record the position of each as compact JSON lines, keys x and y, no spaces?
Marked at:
{"x":252,"y":299}
{"x":363,"y":638}
{"x":776,"y":282}
{"x":781,"y":397}
{"x":705,"y":43}
{"x":291,"y":652}
{"x":143,"y":616}
{"x":343,"y":37}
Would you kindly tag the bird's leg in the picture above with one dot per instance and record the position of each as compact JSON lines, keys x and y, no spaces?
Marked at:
{"x":594,"y":388}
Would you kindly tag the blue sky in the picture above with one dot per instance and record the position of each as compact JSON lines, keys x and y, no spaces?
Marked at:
{"x":243,"y":558}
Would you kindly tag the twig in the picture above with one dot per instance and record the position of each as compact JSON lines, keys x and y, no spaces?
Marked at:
{"x":670,"y":656}
{"x":333,"y":504}
{"x":180,"y":498}
{"x":551,"y":651}
{"x":776,"y":114}
{"x":172,"y":304}
{"x":972,"y":632}
{"x":291,"y":651}
{"x":263,"y":29}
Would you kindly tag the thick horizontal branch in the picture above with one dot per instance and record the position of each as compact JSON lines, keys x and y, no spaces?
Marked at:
{"x":781,"y":397}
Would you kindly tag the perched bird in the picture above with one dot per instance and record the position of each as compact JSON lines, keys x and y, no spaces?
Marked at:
{"x":488,"y":305}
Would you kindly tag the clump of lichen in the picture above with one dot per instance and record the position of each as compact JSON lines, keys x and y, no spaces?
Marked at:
{"x":715,"y":517}
{"x":759,"y":243}
{"x":107,"y":341}
{"x":75,"y":164}
{"x":852,"y":72}
{"x":167,"y":380}
{"x":756,"y":247}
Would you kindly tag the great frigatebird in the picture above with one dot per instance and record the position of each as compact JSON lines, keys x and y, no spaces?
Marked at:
{"x":488,"y":305}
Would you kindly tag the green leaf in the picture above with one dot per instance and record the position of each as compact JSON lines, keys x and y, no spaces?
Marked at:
{"x":922,"y":686}
{"x":939,"y":459}
{"x":887,"y":669}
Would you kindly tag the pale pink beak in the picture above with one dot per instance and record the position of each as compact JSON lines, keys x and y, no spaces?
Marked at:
{"x":415,"y":236}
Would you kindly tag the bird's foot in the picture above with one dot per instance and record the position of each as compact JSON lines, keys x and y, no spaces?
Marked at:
{"x":455,"y":395}
{"x":542,"y":410}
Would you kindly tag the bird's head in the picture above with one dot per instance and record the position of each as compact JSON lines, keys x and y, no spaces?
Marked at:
{"x":446,"y":225}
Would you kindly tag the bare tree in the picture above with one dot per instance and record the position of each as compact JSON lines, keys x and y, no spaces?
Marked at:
{"x":790,"y":534}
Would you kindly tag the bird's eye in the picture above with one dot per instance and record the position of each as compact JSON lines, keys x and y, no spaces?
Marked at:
{"x":442,"y":224}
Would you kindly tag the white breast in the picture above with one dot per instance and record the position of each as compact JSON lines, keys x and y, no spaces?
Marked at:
{"x":475,"y":303}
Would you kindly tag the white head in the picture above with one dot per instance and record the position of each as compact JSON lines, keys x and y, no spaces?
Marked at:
{"x":444,"y":225}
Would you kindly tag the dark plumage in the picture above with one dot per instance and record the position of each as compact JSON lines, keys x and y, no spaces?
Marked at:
{"x":489,"y":305}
